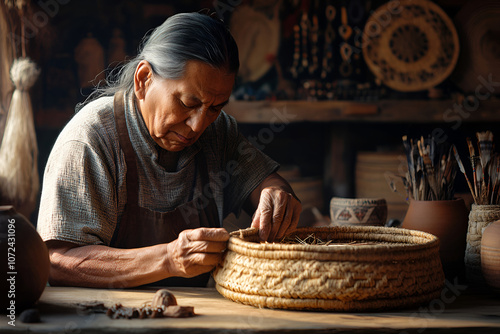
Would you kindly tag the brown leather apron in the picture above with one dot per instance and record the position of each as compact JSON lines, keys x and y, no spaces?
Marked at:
{"x":140,"y":227}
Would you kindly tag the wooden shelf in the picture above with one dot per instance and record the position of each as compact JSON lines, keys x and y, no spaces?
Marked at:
{"x":383,"y":111}
{"x":392,"y":111}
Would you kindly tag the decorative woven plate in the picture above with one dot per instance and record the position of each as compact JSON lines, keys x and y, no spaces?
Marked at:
{"x":410,"y":45}
{"x":363,"y":268}
{"x":479,"y":26}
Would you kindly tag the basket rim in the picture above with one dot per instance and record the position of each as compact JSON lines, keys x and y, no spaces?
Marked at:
{"x":486,"y":206}
{"x":358,"y":201}
{"x":428,"y":242}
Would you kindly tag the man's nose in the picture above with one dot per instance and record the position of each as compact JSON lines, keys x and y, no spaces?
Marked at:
{"x":196,"y":120}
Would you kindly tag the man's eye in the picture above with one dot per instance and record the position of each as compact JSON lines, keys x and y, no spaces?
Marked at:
{"x":184,"y":105}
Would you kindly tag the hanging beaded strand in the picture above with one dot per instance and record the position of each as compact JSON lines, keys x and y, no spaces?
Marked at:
{"x":314,"y":40}
{"x":301,"y":37}
{"x":296,"y":52}
{"x":327,"y":62}
{"x":304,"y":25}
{"x":356,"y":12}
{"x":345,"y":68}
{"x":345,"y":31}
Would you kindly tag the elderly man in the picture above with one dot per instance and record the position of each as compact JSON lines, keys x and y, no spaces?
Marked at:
{"x":139,"y":181}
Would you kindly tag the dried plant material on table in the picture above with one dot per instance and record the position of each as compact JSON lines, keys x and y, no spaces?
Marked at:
{"x":163,"y":305}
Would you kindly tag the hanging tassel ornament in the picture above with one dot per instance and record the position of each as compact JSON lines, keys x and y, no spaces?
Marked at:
{"x":5,"y":63}
{"x":19,"y":181}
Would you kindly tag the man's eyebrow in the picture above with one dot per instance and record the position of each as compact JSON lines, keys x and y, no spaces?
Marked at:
{"x":220,"y":105}
{"x":194,"y":98}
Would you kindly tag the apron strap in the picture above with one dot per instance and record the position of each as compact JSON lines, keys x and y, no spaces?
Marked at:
{"x":165,"y":223}
{"x":132,"y":179}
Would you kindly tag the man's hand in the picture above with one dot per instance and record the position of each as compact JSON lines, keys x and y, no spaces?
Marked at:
{"x":196,"y":251}
{"x":277,"y":213}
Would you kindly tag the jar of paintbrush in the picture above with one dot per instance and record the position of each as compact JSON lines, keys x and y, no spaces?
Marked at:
{"x":429,"y":184}
{"x":484,"y":186}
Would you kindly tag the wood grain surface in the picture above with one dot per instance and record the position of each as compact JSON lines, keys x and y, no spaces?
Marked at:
{"x":459,"y":310}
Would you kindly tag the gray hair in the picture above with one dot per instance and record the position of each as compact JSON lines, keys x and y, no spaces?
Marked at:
{"x":181,"y":38}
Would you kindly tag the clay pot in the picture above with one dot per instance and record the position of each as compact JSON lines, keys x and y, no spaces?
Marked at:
{"x":480,"y":217}
{"x":490,"y":255}
{"x":448,"y":221}
{"x":24,"y":262}
{"x":358,"y":211}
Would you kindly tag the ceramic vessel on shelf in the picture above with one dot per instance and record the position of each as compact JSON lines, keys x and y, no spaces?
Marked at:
{"x":445,"y":219}
{"x":25,"y":261}
{"x":490,"y":255}
{"x":480,"y":217}
{"x":358,"y":211}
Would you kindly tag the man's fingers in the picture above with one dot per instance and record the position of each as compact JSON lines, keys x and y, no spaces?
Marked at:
{"x":207,"y":234}
{"x":287,"y":221}
{"x":295,"y":219}
{"x":297,"y":210}
{"x":208,"y":260}
{"x":282,"y":214}
{"x":207,"y":247}
{"x":256,"y":220}
{"x":265,"y":223}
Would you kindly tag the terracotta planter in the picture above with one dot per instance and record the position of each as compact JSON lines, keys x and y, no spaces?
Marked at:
{"x":448,"y":221}
{"x":490,"y":255}
{"x":479,"y":218}
{"x":24,"y":262}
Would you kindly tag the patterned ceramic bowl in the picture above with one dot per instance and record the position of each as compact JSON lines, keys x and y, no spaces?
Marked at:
{"x":358,"y":211}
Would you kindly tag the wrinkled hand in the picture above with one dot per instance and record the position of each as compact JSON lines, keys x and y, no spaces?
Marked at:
{"x":277,"y":214}
{"x":196,"y":251}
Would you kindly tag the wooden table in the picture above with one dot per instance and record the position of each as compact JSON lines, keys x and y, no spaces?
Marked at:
{"x":459,"y":310}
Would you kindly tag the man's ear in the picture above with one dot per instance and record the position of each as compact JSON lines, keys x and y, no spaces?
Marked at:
{"x":143,"y":77}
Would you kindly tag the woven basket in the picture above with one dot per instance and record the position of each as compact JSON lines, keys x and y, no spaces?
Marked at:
{"x":480,"y":217}
{"x":395,"y":268}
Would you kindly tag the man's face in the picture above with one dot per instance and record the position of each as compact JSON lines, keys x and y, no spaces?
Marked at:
{"x":177,"y":111}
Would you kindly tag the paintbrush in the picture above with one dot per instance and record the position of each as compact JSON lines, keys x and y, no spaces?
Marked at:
{"x":485,"y":168}
{"x":472,"y":155}
{"x":479,"y":174}
{"x":424,"y":151}
{"x":411,"y":167}
{"x":431,"y":169}
{"x":462,"y":169}
{"x":448,"y":175}
{"x":485,"y":145}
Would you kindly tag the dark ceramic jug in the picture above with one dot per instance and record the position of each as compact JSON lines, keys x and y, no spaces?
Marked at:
{"x":24,"y":261}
